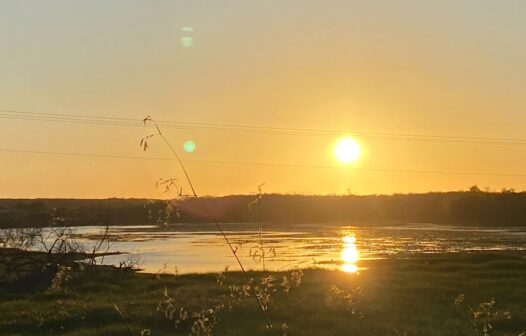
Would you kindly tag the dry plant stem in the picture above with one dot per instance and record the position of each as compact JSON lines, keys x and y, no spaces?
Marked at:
{"x":123,"y":318}
{"x":96,"y":248}
{"x":211,"y":216}
{"x":261,"y":238}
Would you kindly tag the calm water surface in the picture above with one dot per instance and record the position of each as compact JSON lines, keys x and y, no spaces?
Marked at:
{"x":190,"y":248}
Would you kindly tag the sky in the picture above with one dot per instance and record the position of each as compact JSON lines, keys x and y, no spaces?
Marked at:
{"x":440,"y":68}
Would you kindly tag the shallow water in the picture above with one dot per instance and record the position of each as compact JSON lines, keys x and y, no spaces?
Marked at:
{"x":189,"y":248}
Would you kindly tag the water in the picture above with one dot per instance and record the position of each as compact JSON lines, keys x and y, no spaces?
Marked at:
{"x":196,"y":248}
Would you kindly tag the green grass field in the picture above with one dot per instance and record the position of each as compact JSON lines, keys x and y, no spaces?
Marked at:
{"x":391,"y":297}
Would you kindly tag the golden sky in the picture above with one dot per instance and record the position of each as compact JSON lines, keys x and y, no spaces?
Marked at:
{"x":448,"y":68}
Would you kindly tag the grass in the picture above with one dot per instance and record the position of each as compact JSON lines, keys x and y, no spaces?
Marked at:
{"x":400,"y":297}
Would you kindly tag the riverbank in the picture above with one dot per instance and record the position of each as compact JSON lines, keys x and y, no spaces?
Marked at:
{"x":450,"y":294}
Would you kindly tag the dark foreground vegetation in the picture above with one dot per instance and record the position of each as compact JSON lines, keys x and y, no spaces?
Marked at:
{"x":452,"y":294}
{"x":472,"y":207}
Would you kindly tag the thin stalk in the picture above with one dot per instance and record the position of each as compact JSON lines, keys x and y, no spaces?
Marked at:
{"x":213,"y":219}
{"x":123,"y":318}
{"x":261,"y":238}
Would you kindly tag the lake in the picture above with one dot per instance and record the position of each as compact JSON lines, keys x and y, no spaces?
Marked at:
{"x":198,"y":248}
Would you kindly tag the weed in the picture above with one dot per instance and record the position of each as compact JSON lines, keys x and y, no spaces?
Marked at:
{"x":144,"y":145}
{"x":350,"y":299}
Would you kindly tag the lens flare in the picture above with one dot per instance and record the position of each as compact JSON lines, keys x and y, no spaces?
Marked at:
{"x":187,"y":41}
{"x":189,"y":146}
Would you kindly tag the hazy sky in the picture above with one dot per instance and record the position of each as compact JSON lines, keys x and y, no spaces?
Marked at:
{"x":453,"y":68}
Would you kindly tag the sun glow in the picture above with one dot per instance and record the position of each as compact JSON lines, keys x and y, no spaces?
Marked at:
{"x":347,"y":150}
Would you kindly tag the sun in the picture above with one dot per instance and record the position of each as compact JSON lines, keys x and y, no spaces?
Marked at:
{"x":347,"y":150}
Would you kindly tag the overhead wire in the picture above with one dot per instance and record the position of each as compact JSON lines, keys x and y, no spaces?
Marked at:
{"x":268,"y":164}
{"x":233,"y":128}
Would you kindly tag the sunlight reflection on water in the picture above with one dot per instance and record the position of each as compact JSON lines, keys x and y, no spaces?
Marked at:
{"x":350,"y":255}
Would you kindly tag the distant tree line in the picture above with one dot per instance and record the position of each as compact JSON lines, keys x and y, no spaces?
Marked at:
{"x":473,"y":207}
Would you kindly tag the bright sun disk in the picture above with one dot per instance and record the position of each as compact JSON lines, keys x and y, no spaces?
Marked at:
{"x":347,"y":150}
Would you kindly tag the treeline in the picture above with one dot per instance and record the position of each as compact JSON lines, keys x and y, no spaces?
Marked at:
{"x":74,"y":212}
{"x":474,"y":207}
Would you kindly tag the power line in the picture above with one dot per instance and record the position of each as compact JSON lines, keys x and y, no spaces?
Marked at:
{"x":232,"y":128}
{"x":266,"y":164}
